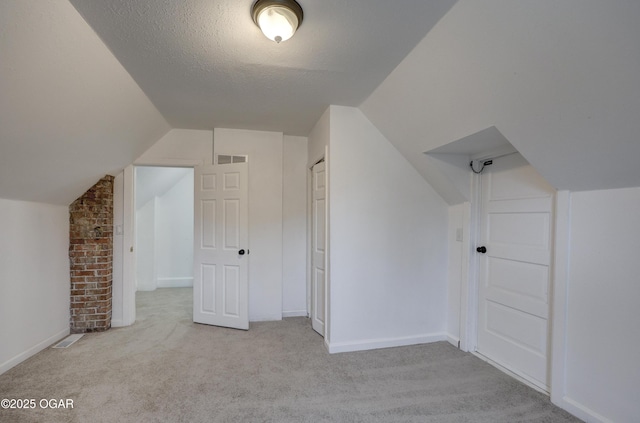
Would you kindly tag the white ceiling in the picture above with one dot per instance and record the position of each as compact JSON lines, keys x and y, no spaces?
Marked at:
{"x":156,"y":181}
{"x":69,"y":112}
{"x":560,"y":81}
{"x":204,"y":63}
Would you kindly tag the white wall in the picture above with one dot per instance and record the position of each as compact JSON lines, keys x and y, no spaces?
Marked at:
{"x":180,"y":147}
{"x":294,"y":225}
{"x":603,"y":340}
{"x":388,"y":242}
{"x":319,"y":138}
{"x":146,"y":271}
{"x":265,"y":215}
{"x":174,"y":234}
{"x":34,"y":278}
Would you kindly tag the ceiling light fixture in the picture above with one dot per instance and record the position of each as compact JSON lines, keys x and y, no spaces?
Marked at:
{"x":278,"y":19}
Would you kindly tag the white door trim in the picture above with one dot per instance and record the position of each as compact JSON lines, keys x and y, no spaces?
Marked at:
{"x":309,"y":231}
{"x":128,"y":249}
{"x":559,"y":301}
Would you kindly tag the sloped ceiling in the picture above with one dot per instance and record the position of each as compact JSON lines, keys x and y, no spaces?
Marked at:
{"x":69,"y":112}
{"x":80,"y":100}
{"x":559,"y":80}
{"x":205,"y":64}
{"x":156,"y":181}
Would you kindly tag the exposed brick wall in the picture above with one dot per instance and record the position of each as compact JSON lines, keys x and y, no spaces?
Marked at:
{"x":91,"y":258}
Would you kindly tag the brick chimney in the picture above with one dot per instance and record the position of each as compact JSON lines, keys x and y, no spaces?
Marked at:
{"x":91,"y":258}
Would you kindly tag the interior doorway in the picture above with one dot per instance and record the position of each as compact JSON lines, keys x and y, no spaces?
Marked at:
{"x":163,"y":227}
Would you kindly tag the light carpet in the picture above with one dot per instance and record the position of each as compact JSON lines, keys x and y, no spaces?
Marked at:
{"x":165,"y":368}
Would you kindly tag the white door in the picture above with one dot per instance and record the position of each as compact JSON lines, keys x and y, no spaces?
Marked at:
{"x":514,"y":280}
{"x":221,"y":283}
{"x":318,"y":218}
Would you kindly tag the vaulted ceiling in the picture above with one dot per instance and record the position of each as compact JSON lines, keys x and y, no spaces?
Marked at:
{"x":205,"y":64}
{"x":88,"y":85}
{"x":69,"y":112}
{"x":559,"y":81}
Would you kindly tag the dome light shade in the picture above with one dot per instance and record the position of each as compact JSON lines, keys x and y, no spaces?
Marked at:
{"x":278,"y":19}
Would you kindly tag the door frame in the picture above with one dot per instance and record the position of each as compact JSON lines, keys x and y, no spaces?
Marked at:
{"x":559,"y":274}
{"x":129,"y":234}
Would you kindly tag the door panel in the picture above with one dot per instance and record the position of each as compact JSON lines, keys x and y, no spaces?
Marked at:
{"x":519,"y":228}
{"x":208,"y":224}
{"x":318,"y":284}
{"x":520,"y":328}
{"x":319,"y":295}
{"x":208,"y":288}
{"x":231,"y":224}
{"x":516,"y":223}
{"x":521,"y":278}
{"x":517,"y":180}
{"x":221,"y":285}
{"x":231,"y":291}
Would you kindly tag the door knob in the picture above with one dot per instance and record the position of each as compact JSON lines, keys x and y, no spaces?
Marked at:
{"x":241,"y":252}
{"x":482,"y":249}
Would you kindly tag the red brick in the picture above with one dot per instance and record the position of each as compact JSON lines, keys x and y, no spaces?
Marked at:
{"x":91,"y":258}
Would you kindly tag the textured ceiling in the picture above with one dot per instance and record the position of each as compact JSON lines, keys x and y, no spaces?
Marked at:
{"x":204,"y":64}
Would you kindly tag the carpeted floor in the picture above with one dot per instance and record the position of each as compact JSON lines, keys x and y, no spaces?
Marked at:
{"x":167,"y":369}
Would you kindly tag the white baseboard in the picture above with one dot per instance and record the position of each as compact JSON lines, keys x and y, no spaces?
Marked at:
{"x":453,"y":340}
{"x":580,"y":411}
{"x":298,"y":313}
{"x":12,"y":362}
{"x":117,"y":323}
{"x":265,"y":318}
{"x":372,"y":344}
{"x":186,"y":282}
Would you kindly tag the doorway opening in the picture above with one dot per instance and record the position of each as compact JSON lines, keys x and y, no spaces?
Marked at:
{"x":163,"y":222}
